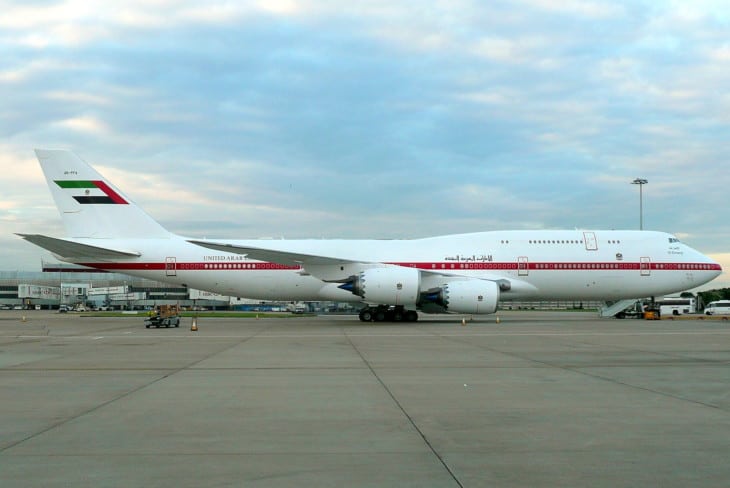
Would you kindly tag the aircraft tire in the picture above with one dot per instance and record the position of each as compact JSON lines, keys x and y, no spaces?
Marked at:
{"x":366,"y":315}
{"x":411,"y":316}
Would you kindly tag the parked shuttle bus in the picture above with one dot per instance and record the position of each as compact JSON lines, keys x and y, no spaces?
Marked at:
{"x":678,"y":305}
{"x":721,"y":307}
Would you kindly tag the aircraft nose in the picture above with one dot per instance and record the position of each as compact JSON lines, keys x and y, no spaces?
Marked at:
{"x":714,"y":269}
{"x":717,"y":267}
{"x":706,"y":268}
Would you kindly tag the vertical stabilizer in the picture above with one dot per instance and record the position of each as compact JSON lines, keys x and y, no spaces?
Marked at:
{"x":89,"y":204}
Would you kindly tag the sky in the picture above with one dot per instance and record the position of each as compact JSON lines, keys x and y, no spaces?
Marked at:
{"x":377,"y":119}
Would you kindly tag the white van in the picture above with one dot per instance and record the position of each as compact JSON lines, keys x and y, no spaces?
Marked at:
{"x":721,"y":307}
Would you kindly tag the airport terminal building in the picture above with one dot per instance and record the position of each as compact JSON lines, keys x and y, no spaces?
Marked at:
{"x":81,"y":288}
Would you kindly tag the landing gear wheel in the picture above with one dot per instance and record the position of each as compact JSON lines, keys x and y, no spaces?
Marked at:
{"x":411,"y":316}
{"x":379,"y":316}
{"x":366,"y":315}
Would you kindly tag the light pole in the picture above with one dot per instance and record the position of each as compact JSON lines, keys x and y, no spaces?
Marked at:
{"x":641,"y":182}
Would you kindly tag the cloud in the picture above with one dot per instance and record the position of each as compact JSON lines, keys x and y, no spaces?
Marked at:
{"x":86,"y":124}
{"x":579,"y":8}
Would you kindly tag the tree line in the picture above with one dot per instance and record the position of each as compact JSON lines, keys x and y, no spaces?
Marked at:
{"x":714,"y":295}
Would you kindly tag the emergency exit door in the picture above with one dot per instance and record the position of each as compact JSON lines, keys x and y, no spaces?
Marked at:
{"x":645,"y":266}
{"x":523,"y":266}
{"x":590,"y":240}
{"x":170,"y":266}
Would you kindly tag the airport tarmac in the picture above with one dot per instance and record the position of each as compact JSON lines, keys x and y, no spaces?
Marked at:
{"x":539,"y":399}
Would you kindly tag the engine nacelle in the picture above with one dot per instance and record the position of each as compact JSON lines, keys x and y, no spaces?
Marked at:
{"x":463,"y":296}
{"x":386,"y":286}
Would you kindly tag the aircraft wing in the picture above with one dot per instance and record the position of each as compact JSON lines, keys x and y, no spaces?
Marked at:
{"x":72,"y":249}
{"x":274,"y":256}
{"x":334,"y":269}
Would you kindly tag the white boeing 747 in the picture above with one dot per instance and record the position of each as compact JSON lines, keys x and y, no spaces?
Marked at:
{"x":464,"y":273}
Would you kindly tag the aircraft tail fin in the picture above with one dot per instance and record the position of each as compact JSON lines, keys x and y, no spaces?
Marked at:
{"x":90,"y":205}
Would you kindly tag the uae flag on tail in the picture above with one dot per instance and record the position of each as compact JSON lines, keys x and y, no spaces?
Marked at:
{"x":91,"y":192}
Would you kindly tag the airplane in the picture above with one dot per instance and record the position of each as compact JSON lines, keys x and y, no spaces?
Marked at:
{"x":392,"y":279}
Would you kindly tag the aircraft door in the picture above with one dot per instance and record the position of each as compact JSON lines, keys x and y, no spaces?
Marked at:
{"x":170,"y":266}
{"x":523,"y":266}
{"x":645,"y":266}
{"x":590,"y":240}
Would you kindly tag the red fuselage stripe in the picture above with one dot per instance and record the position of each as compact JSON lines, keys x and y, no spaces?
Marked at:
{"x":436,"y":266}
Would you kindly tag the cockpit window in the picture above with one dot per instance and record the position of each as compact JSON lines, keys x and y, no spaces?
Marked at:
{"x":673,"y":240}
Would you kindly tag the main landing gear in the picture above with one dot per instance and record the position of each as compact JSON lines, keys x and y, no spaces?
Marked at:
{"x":385,"y":313}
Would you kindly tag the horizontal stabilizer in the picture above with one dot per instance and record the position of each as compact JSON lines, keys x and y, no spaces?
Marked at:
{"x":71,"y":249}
{"x":271,"y":255}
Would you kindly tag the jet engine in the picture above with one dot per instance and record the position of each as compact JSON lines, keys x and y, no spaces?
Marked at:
{"x":388,"y":286}
{"x":463,"y":296}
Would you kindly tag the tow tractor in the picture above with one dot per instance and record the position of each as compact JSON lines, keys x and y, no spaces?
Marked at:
{"x":641,"y":309}
{"x":163,"y":316}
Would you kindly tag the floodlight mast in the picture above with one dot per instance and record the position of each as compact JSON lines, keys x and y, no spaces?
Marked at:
{"x":641,"y":182}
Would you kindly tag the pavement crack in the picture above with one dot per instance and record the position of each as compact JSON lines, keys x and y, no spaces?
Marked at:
{"x":405,"y":412}
{"x":128,"y":393}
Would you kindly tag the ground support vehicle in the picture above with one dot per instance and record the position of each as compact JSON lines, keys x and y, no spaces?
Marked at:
{"x":163,"y":316}
{"x":641,"y":309}
{"x":720,"y":307}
